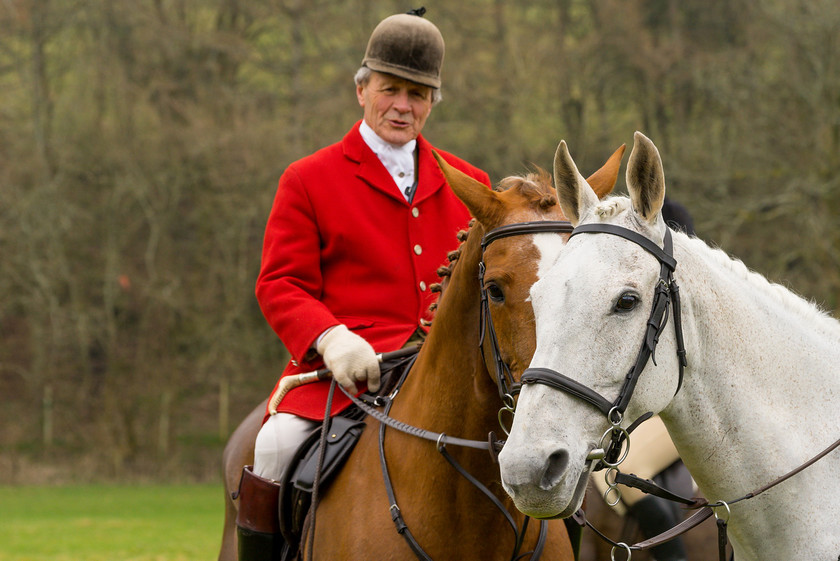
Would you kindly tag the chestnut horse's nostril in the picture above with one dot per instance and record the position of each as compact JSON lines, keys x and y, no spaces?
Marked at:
{"x":555,"y":467}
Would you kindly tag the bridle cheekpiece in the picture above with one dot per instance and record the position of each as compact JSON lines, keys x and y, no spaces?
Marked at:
{"x":508,"y":387}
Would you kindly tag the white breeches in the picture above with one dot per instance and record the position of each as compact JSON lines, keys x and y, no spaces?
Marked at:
{"x":277,"y":442}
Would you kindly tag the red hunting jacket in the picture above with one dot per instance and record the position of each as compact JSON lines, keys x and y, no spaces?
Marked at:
{"x":342,"y":245}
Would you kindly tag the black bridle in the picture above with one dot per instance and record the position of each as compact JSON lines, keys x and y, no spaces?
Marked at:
{"x":505,"y":381}
{"x":666,"y":296}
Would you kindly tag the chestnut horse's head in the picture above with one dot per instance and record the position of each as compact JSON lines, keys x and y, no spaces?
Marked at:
{"x":512,"y":264}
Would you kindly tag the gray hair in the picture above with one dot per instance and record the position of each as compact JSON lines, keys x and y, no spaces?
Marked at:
{"x":364,"y":73}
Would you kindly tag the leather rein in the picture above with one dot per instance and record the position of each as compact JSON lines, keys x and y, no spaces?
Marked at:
{"x":441,"y":440}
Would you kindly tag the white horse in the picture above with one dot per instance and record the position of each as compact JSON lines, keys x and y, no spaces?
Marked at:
{"x":761,"y":388}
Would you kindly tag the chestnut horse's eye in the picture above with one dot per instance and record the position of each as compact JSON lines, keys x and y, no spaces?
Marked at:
{"x":495,"y":293}
{"x":626,"y":302}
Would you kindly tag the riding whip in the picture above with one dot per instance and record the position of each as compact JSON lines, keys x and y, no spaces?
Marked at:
{"x":290,"y":382}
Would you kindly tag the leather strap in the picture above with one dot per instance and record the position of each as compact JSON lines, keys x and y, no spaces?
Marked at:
{"x":664,"y":256}
{"x":504,"y":378}
{"x":722,"y":539}
{"x":396,"y":513}
{"x":524,"y":228}
{"x":564,"y":383}
{"x":833,"y":446}
{"x":651,"y":488}
{"x":416,"y":431}
{"x":691,"y":522}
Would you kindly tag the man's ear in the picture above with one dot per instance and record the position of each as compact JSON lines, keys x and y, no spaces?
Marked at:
{"x":360,"y":95}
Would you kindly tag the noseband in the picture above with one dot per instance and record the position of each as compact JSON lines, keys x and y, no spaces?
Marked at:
{"x":666,"y":296}
{"x":504,"y":379}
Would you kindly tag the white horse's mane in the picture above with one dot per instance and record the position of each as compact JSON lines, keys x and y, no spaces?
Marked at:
{"x":796,"y":304}
{"x":611,"y":206}
{"x":790,"y":300}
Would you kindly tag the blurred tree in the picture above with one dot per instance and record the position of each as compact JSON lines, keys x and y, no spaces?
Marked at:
{"x":140,"y":146}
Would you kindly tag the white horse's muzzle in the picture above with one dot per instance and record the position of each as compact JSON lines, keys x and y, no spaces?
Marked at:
{"x":542,"y":480}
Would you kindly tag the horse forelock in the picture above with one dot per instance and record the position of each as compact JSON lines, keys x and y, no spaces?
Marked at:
{"x":611,"y":207}
{"x":619,"y":210}
{"x":535,"y":187}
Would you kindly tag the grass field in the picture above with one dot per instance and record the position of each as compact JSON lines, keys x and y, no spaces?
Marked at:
{"x":111,"y":523}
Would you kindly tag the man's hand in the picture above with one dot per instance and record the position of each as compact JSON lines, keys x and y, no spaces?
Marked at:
{"x":350,"y":358}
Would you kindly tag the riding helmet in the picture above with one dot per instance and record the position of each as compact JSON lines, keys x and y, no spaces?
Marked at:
{"x":407,"y":46}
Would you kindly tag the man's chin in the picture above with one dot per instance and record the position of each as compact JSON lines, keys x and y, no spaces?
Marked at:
{"x":398,"y":136}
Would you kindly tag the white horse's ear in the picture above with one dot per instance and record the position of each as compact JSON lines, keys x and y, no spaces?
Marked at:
{"x":573,"y":192}
{"x":645,"y":178}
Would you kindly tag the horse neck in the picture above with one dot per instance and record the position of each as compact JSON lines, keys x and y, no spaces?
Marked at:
{"x":763,"y":374}
{"x":450,"y":367}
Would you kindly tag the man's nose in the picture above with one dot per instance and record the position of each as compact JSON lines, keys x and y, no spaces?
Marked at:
{"x":401,"y":102}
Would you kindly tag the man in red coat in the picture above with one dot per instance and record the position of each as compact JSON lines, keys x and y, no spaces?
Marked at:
{"x":354,"y":239}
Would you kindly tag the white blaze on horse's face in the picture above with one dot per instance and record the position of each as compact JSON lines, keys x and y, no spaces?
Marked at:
{"x":591,"y":308}
{"x":549,"y":248}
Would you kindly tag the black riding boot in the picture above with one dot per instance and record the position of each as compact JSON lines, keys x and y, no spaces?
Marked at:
{"x":654,"y":516}
{"x":257,"y":525}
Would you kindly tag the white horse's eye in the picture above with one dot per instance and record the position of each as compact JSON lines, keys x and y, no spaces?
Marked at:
{"x":494,"y":292}
{"x":626,"y":302}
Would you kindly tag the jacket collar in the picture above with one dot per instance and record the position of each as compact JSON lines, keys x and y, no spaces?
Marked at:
{"x":371,"y":171}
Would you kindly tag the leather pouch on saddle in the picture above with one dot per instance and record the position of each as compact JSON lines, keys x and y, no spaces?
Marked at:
{"x":299,"y":480}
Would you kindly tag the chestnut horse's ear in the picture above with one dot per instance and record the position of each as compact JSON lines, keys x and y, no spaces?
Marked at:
{"x":603,"y":180}
{"x":645,"y":178}
{"x":482,"y":203}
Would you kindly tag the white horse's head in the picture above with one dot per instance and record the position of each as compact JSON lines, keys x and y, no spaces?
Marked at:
{"x":591,"y":312}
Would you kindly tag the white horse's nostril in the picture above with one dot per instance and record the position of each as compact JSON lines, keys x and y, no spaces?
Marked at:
{"x":555,"y":467}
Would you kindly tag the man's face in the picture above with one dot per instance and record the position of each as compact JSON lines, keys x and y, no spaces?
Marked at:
{"x":396,"y":109}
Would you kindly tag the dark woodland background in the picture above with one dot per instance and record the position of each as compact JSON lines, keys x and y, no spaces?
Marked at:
{"x":141,"y":142}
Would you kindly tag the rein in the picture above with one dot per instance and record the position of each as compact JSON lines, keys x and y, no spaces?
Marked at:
{"x":706,"y":509}
{"x":441,"y":440}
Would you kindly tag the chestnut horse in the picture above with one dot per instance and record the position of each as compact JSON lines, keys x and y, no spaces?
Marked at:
{"x":449,"y":390}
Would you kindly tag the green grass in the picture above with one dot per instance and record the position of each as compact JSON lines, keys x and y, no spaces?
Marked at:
{"x":111,"y":523}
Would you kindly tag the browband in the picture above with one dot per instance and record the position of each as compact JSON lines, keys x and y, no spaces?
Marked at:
{"x":522,"y":228}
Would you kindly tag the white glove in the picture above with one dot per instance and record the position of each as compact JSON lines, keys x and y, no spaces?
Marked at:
{"x":350,"y":358}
